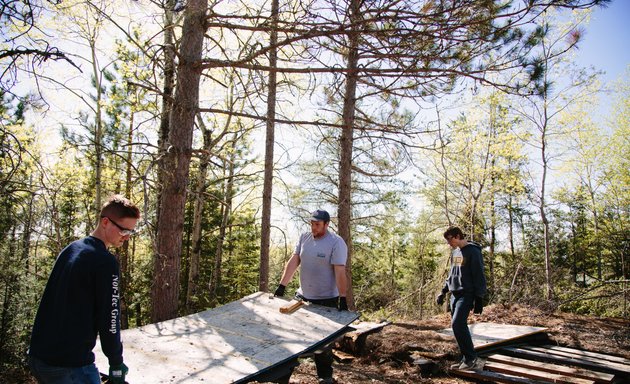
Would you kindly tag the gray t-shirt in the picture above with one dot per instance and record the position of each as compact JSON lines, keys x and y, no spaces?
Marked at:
{"x":317,"y":260}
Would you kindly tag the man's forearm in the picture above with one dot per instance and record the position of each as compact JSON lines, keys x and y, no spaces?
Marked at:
{"x":341,"y":279}
{"x":290,"y":269}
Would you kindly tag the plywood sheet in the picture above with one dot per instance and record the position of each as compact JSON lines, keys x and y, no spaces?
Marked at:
{"x":228,"y":344}
{"x":489,"y":334}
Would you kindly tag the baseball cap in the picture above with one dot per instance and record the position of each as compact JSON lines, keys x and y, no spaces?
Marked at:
{"x":320,"y":215}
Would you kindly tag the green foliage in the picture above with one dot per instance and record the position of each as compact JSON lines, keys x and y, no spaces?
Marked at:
{"x":19,"y":172}
{"x":395,"y":269}
{"x":137,"y":294}
{"x":212,"y":218}
{"x":241,"y":270}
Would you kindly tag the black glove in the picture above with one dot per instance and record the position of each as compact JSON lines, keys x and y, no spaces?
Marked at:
{"x":342,"y":305}
{"x":117,"y":374}
{"x":478,"y":307}
{"x":439,"y":299}
{"x":279,"y":291}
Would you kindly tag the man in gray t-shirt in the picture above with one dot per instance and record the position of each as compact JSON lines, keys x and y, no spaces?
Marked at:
{"x":321,"y":256}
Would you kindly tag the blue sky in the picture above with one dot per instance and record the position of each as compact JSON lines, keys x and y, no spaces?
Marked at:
{"x":606,"y":44}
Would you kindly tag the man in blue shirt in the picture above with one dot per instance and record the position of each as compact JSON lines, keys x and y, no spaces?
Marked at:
{"x":82,"y":300}
{"x":467,"y":283}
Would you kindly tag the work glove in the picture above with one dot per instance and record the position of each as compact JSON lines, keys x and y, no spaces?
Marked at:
{"x":342,"y":305}
{"x":117,"y":374}
{"x":478,"y":307}
{"x":439,"y":299}
{"x":279,"y":291}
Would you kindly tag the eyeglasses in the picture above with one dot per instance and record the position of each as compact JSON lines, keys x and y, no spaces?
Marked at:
{"x":123,"y":231}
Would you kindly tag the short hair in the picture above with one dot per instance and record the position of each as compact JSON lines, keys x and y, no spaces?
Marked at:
{"x":454,"y":232}
{"x":119,"y":207}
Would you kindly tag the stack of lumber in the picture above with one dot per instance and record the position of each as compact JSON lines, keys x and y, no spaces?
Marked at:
{"x":550,"y":364}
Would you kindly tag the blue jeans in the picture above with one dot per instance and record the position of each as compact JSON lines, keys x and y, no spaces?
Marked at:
{"x":461,"y":305}
{"x":50,"y":374}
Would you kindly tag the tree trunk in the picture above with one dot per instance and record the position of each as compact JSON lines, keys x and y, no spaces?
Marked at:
{"x":195,"y":255}
{"x":98,"y":133}
{"x":124,"y":255}
{"x":493,"y":236}
{"x":167,"y":95}
{"x":346,"y":141}
{"x":444,"y":169}
{"x":543,"y":217}
{"x":265,"y":235}
{"x":215,"y":281}
{"x":598,"y":243}
{"x":510,"y":209}
{"x":165,"y":289}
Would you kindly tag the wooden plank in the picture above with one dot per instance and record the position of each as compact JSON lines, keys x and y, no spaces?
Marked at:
{"x":535,"y":374}
{"x":496,"y":377}
{"x":592,"y":360}
{"x":547,"y":357}
{"x":291,"y":307}
{"x":491,"y":334}
{"x":229,"y":344}
{"x":596,"y":355}
{"x":598,"y":377}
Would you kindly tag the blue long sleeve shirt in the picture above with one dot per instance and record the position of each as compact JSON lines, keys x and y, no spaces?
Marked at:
{"x":81,"y":300}
{"x":467,"y":272}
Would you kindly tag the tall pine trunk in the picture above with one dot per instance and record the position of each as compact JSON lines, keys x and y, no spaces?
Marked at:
{"x":265,"y":235}
{"x":347,"y":140}
{"x":167,"y":260}
{"x":167,"y":97}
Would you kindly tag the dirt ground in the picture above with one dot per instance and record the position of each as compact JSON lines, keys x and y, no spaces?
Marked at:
{"x":387,"y":356}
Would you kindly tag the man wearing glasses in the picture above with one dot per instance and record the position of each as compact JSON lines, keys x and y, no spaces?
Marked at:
{"x":81,"y":301}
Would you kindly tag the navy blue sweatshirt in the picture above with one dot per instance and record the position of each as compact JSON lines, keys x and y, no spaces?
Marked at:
{"x":81,"y":301}
{"x":467,"y":273}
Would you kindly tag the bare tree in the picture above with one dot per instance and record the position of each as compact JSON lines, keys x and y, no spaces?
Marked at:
{"x":21,"y":49}
{"x":543,"y":112}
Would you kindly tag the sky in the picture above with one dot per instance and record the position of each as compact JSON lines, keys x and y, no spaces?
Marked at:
{"x":606,"y":43}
